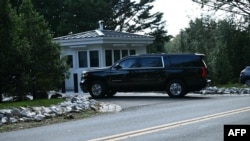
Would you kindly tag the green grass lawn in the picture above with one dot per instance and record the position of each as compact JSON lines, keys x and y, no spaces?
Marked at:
{"x":30,"y":103}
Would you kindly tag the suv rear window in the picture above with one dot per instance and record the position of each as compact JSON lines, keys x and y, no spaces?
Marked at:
{"x":186,"y":61}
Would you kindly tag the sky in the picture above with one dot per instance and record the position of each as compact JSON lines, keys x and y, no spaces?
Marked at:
{"x":177,"y":13}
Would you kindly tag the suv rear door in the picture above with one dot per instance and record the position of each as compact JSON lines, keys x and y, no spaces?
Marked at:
{"x":150,"y":73}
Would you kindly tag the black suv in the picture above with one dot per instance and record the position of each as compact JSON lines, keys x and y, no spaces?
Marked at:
{"x":177,"y":74}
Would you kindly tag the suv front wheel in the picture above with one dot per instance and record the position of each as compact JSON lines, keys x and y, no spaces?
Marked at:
{"x":175,"y":89}
{"x":97,"y":89}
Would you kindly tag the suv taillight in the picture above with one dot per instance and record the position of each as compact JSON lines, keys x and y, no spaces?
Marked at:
{"x":203,"y":72}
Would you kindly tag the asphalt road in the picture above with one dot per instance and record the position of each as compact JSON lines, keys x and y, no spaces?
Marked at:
{"x":149,"y":117}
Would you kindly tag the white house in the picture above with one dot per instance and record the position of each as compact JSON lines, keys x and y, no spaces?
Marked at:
{"x":98,"y":48}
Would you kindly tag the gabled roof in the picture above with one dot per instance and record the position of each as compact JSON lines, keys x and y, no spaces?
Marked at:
{"x":101,"y":33}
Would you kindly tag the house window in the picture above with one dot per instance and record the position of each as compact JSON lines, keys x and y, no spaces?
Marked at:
{"x":70,"y":61}
{"x":94,"y":58}
{"x":108,"y":56}
{"x":117,"y":55}
{"x":83,"y":62}
{"x":111,"y":56}
{"x":88,"y":58}
{"x":132,"y":52}
{"x":124,"y":53}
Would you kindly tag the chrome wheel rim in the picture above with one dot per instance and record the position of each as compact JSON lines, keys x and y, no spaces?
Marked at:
{"x":96,"y":89}
{"x":175,"y":89}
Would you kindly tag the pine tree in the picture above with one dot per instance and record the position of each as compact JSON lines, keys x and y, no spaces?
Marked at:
{"x":46,"y":68}
{"x":29,"y":59}
{"x":12,"y":50}
{"x":82,"y":15}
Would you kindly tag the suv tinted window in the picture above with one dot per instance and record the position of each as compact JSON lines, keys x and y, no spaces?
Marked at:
{"x":185,"y":61}
{"x":149,"y":62}
{"x":129,"y":63}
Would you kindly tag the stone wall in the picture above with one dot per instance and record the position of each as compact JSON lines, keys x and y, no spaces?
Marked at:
{"x":233,"y":90}
{"x":77,"y":103}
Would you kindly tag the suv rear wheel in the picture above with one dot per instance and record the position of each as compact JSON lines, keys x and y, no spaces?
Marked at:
{"x":97,"y":89}
{"x":176,"y":88}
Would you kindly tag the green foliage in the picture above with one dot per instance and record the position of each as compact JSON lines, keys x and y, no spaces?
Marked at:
{"x":30,"y":61}
{"x":65,"y":16}
{"x":234,"y":7}
{"x":161,"y":38}
{"x":30,"y":103}
{"x":222,"y":69}
{"x":14,"y":49}
{"x":46,"y":66}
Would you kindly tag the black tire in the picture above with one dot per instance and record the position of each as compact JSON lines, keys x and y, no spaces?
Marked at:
{"x":176,"y":89}
{"x":97,"y":89}
{"x":110,"y":93}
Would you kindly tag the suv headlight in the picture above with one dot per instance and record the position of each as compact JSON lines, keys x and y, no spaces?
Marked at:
{"x":84,"y":74}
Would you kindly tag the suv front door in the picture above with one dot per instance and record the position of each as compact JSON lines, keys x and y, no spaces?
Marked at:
{"x":122,"y":74}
